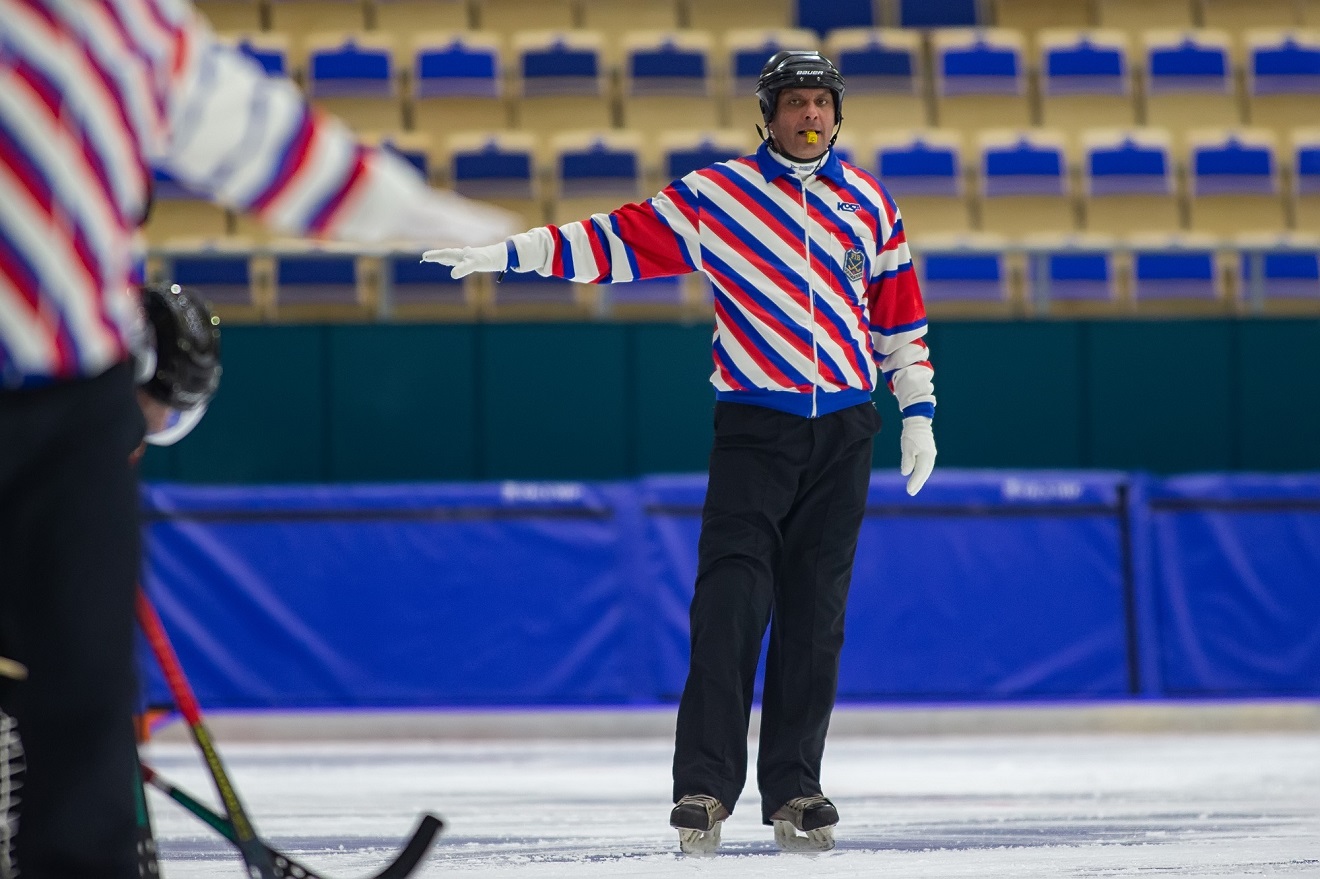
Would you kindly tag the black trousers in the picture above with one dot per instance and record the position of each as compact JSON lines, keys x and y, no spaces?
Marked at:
{"x":783,"y":509}
{"x":69,"y":559}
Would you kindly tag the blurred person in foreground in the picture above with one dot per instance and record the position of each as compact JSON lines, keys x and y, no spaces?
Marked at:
{"x":815,"y":300}
{"x":93,"y":95}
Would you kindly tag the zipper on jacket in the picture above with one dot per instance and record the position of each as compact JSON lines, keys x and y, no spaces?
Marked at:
{"x":811,"y":296}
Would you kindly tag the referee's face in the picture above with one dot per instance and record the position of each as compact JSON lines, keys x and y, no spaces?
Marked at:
{"x":803,"y":120}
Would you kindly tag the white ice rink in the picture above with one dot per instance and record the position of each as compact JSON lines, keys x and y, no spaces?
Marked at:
{"x":1023,"y":805}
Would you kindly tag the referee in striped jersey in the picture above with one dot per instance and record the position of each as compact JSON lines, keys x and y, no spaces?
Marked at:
{"x":93,"y":95}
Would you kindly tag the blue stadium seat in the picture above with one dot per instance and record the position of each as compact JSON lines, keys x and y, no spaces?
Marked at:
{"x":500,"y":168}
{"x":748,"y":50}
{"x":1129,"y":184}
{"x":1189,"y":80}
{"x":1025,"y":186}
{"x":457,"y":84}
{"x":1233,"y":182}
{"x":413,"y":147}
{"x":946,"y":13}
{"x":299,"y":19}
{"x":668,"y":82}
{"x":1085,"y":79}
{"x":836,"y":15}
{"x":320,"y":283}
{"x":353,"y":78}
{"x":1306,"y":179}
{"x":1280,"y":273}
{"x":1283,"y":79}
{"x":966,"y":275}
{"x":271,"y":51}
{"x":681,"y":152}
{"x":980,"y":78}
{"x":1178,"y":274}
{"x":221,"y":272}
{"x":594,"y":172}
{"x":1073,"y":275}
{"x":178,"y":213}
{"x":413,"y":290}
{"x":923,"y":170}
{"x":560,"y":82}
{"x":884,"y":69}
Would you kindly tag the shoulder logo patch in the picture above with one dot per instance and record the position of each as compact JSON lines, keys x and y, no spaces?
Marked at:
{"x":853,"y":263}
{"x":849,"y":207}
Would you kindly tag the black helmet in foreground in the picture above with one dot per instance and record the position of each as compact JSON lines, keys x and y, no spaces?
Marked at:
{"x":798,"y":68}
{"x":187,"y":346}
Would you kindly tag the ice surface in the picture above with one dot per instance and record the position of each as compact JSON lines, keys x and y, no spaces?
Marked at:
{"x":1085,"y":805}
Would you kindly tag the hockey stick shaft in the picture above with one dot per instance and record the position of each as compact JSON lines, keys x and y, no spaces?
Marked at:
{"x":148,"y":863}
{"x":408,"y":859}
{"x":250,"y":847}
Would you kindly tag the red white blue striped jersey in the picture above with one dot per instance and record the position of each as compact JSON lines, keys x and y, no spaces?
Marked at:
{"x":814,"y":290}
{"x":93,"y":93}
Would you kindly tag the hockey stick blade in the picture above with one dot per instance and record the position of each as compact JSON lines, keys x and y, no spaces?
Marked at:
{"x":405,"y":862}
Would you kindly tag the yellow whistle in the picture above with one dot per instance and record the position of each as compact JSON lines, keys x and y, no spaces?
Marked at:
{"x":812,"y":137}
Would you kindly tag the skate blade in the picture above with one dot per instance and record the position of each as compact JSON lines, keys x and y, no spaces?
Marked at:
{"x":790,"y":840}
{"x":699,"y":842}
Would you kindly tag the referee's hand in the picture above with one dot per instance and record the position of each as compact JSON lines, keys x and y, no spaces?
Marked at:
{"x":917,"y":444}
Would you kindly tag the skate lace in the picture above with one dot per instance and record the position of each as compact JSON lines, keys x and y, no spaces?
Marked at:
{"x":804,"y":803}
{"x":11,"y":767}
{"x":704,"y":800}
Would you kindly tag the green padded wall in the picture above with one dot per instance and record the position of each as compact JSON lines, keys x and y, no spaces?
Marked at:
{"x":552,"y":401}
{"x":672,"y":405}
{"x":391,"y":402}
{"x":402,"y":403}
{"x":1162,"y":396}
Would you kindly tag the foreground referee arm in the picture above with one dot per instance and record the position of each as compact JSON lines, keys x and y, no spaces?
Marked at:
{"x":252,"y":143}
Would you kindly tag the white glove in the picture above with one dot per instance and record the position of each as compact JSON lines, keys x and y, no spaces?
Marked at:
{"x":917,"y":444}
{"x":466,"y":260}
{"x":534,"y":248}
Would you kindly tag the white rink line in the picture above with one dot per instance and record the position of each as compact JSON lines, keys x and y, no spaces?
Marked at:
{"x":1023,"y":806}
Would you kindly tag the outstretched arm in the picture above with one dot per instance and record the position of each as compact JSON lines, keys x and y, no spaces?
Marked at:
{"x":254,"y":144}
{"x":651,"y":239}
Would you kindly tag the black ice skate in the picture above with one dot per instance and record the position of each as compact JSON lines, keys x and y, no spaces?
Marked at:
{"x":805,"y":824}
{"x":698,"y":819}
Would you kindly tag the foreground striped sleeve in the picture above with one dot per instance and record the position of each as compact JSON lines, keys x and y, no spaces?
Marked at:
{"x":652,"y":239}
{"x":251,"y":142}
{"x":898,"y":320}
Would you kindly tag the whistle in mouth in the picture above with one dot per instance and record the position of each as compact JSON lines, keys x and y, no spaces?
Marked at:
{"x":812,"y":137}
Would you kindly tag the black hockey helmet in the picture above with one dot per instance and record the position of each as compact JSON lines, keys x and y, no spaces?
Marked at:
{"x":187,"y":342}
{"x":798,"y":68}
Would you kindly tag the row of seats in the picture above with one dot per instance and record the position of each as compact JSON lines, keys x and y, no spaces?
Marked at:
{"x":1009,"y":181}
{"x":297,"y":17}
{"x":965,"y":78}
{"x":1135,"y":15}
{"x":976,"y":275}
{"x":613,"y":16}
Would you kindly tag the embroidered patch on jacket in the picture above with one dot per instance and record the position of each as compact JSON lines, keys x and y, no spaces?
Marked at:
{"x":853,"y":262}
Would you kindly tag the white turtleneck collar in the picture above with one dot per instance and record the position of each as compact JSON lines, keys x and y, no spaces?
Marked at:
{"x":801,"y":170}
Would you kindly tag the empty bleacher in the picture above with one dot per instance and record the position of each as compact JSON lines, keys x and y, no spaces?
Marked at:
{"x":1041,"y":130}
